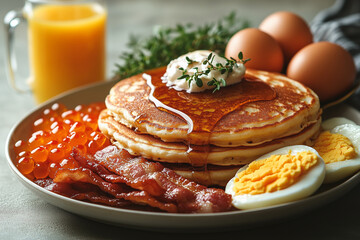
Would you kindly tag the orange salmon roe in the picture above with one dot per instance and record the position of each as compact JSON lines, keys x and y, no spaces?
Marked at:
{"x":54,"y":134}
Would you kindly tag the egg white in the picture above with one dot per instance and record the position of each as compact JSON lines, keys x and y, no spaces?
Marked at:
{"x":339,"y":170}
{"x":305,"y":186}
{"x":335,"y":121}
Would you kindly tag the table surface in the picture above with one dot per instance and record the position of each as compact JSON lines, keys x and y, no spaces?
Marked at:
{"x":25,"y":216}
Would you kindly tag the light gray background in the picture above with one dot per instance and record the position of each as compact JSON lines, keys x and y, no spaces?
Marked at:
{"x":24,"y":216}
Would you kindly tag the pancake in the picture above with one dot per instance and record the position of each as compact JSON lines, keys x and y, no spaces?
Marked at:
{"x":294,"y":109}
{"x":155,"y":149}
{"x":275,"y":112}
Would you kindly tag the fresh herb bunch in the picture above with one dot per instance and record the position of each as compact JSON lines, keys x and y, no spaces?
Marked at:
{"x":169,"y":43}
{"x":218,"y":83}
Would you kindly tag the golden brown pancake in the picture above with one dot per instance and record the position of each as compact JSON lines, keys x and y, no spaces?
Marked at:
{"x":294,"y":108}
{"x":133,"y":122}
{"x":224,"y":161}
{"x":176,"y":152}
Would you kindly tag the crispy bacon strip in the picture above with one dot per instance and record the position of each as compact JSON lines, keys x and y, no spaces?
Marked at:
{"x":99,"y":169}
{"x":120,"y":191}
{"x":79,"y":192}
{"x":158,"y":181}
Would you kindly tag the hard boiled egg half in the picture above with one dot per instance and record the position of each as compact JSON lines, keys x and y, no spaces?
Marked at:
{"x":281,"y":176}
{"x":339,"y":145}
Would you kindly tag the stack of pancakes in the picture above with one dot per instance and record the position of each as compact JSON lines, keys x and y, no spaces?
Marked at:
{"x":133,"y":122}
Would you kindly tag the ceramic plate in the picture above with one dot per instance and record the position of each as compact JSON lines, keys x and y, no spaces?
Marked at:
{"x":166,"y":221}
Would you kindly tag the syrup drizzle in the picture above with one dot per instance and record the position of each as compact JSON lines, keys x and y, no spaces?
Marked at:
{"x":202,"y":111}
{"x":159,"y":104}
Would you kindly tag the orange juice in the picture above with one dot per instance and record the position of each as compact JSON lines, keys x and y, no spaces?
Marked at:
{"x":67,"y":47}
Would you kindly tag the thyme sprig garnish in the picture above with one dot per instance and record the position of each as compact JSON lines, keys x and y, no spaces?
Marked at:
{"x":197,"y":75}
{"x":169,"y":43}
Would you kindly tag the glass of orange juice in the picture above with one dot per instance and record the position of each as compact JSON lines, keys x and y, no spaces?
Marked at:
{"x":66,"y":44}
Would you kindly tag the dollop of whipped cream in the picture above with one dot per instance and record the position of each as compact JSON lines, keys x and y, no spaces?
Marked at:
{"x":174,"y":71}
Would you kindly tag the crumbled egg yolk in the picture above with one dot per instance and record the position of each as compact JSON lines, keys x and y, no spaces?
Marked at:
{"x":334,"y":147}
{"x":274,"y":173}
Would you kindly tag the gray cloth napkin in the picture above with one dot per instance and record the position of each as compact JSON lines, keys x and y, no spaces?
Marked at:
{"x":341,"y":24}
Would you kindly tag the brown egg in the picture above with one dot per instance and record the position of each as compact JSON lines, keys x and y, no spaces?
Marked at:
{"x":327,"y":68}
{"x":264,"y":52}
{"x":289,"y":30}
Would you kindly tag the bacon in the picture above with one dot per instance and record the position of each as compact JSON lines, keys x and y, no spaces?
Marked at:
{"x":118,"y":166}
{"x":80,"y":191}
{"x":99,"y":169}
{"x":119,"y":191}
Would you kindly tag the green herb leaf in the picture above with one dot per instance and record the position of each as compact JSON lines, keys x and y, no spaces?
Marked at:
{"x":189,"y":60}
{"x":199,"y":82}
{"x":183,"y":76}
